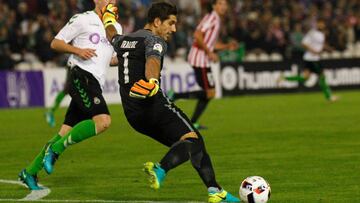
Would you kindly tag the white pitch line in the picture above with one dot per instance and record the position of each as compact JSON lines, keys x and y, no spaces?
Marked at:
{"x":12,"y":182}
{"x":37,"y":195}
{"x":96,"y":201}
{"x":34,"y":195}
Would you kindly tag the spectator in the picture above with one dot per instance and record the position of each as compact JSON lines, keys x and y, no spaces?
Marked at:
{"x":5,"y":59}
{"x":44,"y":36}
{"x":262,"y":25}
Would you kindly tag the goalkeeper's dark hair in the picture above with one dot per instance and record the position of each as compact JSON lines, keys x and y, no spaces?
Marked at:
{"x":161,"y":10}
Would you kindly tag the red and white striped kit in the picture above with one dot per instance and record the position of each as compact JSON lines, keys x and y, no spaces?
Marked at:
{"x":210,"y":26}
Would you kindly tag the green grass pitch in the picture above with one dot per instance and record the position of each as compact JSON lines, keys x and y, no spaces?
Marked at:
{"x":308,"y":149}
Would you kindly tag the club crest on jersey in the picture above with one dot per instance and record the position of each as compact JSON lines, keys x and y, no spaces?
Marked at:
{"x":97,"y":100}
{"x":158,"y":47}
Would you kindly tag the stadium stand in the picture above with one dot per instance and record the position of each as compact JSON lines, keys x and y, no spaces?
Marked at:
{"x":263,"y":26}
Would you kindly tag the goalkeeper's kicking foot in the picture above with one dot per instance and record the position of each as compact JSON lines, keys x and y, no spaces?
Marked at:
{"x":29,"y":180}
{"x":49,"y":160}
{"x":50,"y":119}
{"x":216,"y":195}
{"x":156,"y":174}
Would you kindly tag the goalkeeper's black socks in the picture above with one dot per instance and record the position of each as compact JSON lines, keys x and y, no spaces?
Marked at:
{"x":178,"y":154}
{"x":200,"y":160}
{"x":199,"y":109}
{"x":193,"y":149}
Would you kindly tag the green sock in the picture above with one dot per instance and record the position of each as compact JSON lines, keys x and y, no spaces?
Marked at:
{"x":81,"y":131}
{"x":324,"y":86}
{"x":59,"y":97}
{"x":37,"y":164}
{"x":295,"y":78}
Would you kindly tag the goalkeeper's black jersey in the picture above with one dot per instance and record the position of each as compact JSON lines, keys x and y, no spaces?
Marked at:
{"x":155,"y":116}
{"x":132,"y":51}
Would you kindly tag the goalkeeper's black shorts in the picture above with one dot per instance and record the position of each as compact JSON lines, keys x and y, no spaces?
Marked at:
{"x":156,"y":117}
{"x":86,"y":97}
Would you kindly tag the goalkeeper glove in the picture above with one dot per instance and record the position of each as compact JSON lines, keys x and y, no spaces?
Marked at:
{"x":109,"y":15}
{"x":142,"y":89}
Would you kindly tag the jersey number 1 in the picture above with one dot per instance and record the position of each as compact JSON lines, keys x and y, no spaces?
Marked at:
{"x":126,"y":67}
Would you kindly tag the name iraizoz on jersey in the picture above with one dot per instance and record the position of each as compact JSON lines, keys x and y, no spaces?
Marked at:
{"x":128,"y":44}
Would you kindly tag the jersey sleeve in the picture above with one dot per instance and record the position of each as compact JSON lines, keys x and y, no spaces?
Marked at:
{"x":118,"y":28}
{"x":155,"y":46}
{"x":72,"y":29}
{"x":115,"y":42}
{"x":116,"y":39}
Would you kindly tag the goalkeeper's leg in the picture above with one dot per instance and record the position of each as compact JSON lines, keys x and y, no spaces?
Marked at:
{"x":192,"y":147}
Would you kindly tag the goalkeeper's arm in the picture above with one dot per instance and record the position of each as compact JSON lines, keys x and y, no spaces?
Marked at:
{"x":152,"y":68}
{"x":145,"y":89}
{"x":109,"y":16}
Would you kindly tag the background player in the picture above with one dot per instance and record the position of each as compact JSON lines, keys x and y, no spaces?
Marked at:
{"x":314,"y":43}
{"x":84,"y":38}
{"x":200,"y":55}
{"x":49,"y":115}
{"x":145,"y":106}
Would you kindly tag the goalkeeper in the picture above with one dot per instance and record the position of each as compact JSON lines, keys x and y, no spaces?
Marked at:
{"x":147,"y":109}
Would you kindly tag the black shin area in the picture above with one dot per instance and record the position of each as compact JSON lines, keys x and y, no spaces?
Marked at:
{"x":178,"y":154}
{"x":200,"y":160}
{"x":193,"y":149}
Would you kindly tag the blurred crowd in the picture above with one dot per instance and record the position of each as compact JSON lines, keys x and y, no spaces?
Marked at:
{"x":262,"y":26}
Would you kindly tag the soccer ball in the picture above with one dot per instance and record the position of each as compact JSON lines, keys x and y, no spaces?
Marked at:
{"x":254,"y":189}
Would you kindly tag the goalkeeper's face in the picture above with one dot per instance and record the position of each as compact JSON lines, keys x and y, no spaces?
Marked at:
{"x":166,"y":27}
